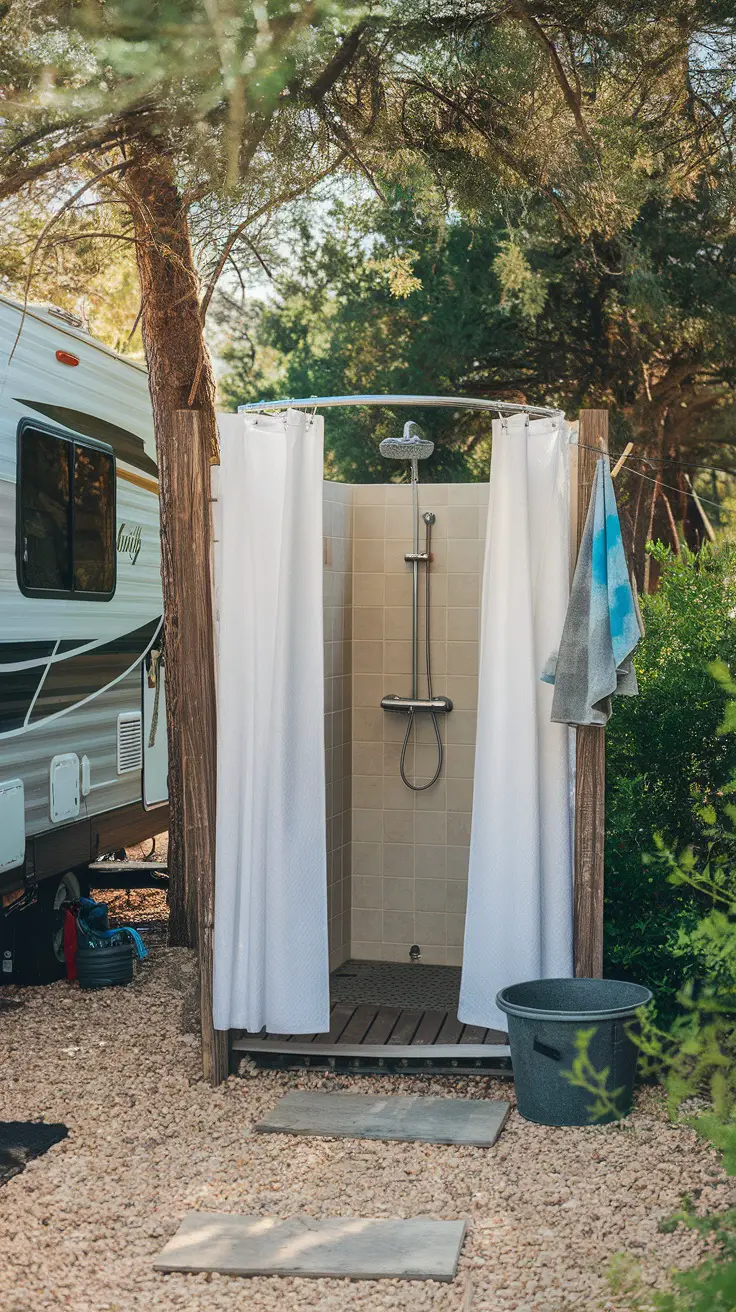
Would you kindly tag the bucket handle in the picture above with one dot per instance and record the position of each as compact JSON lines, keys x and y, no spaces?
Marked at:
{"x":546,"y":1051}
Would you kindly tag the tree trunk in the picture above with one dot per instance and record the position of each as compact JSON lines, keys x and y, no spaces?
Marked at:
{"x":181,"y":379}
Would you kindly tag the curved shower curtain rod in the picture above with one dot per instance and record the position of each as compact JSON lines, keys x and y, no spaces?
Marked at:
{"x":451,"y":402}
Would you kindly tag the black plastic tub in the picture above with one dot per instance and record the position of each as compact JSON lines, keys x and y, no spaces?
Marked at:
{"x":103,"y":967}
{"x":544,"y":1019}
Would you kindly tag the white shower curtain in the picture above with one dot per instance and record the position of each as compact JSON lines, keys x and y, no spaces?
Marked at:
{"x":271,"y":957}
{"x":519,"y":913}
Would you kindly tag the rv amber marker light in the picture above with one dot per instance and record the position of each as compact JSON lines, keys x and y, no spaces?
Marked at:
{"x":66,"y":357}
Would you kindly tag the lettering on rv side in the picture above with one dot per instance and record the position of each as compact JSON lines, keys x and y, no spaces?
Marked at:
{"x":130,"y":540}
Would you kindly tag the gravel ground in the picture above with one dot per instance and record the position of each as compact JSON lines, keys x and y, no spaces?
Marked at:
{"x":547,"y":1209}
{"x":143,"y":908}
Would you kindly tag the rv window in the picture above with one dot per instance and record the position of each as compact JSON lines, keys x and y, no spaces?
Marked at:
{"x":94,"y":521}
{"x":67,"y":516}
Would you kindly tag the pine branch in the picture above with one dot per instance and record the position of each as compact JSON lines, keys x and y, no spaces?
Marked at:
{"x":283,"y":199}
{"x":63,"y":155}
{"x":548,"y":45}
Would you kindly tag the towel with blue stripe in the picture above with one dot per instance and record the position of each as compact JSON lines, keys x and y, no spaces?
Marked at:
{"x":602,"y":626}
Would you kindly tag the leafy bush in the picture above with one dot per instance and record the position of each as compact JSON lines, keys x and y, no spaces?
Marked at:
{"x":669,"y":772}
{"x":695,"y":1058}
{"x":695,"y":1055}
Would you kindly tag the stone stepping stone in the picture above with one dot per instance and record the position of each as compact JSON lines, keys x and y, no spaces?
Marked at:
{"x":346,"y":1247}
{"x":364,"y":1116}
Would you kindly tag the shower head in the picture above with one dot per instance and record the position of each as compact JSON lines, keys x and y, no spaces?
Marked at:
{"x":412,"y":445}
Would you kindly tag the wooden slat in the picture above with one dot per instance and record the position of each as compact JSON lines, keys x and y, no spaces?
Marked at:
{"x":126,"y":868}
{"x":590,"y":778}
{"x":383,"y":1025}
{"x":429,"y":1027}
{"x":473,"y":1034}
{"x":406,"y":1026}
{"x":287,"y":1038}
{"x":496,"y":1036}
{"x":451,"y":1030}
{"x":359,"y":1023}
{"x":254,"y":1038}
{"x":437,"y":1051}
{"x":339,"y":1017}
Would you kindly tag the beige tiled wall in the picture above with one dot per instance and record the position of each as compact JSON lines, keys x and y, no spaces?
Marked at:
{"x":410,"y":850}
{"x":338,"y":587}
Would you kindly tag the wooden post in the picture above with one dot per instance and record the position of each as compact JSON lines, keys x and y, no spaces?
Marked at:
{"x":190,"y":599}
{"x":590,"y":781}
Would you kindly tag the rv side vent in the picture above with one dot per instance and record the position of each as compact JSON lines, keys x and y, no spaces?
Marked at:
{"x":130,"y":742}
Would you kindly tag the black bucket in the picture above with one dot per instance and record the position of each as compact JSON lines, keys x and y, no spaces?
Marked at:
{"x":545,"y":1016}
{"x":103,"y":967}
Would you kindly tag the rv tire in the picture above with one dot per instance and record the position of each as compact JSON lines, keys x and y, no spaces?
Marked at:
{"x":43,"y":950}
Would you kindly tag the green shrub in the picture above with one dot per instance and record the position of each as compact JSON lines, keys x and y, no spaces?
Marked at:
{"x":695,"y":1054}
{"x":668,"y":772}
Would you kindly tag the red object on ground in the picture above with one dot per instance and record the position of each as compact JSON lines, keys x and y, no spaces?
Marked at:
{"x":70,"y":944}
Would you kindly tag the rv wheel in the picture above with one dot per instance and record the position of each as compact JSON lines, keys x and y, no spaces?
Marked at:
{"x":43,"y":957}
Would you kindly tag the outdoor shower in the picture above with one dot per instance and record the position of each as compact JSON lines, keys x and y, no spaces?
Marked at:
{"x":414,"y":446}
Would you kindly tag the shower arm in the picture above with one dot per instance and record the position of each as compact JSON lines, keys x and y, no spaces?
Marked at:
{"x":432,"y":402}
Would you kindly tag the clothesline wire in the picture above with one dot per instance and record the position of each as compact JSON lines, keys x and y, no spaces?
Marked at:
{"x":670,"y":487}
{"x":662,"y":460}
{"x":667,"y":487}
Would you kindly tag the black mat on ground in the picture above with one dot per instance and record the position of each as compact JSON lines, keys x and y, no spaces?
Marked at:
{"x":396,"y":984}
{"x":20,"y":1141}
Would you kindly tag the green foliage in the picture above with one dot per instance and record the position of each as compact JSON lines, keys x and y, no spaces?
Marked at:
{"x":89,"y":76}
{"x":669,"y":774}
{"x":398,"y":303}
{"x":708,"y":1287}
{"x":711,"y":1286}
{"x":396,"y":295}
{"x":583,"y":1074}
{"x":520,"y":284}
{"x":86,"y":265}
{"x":695,"y":1055}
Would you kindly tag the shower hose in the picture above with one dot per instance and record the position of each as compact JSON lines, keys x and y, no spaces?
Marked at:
{"x":420,"y":788}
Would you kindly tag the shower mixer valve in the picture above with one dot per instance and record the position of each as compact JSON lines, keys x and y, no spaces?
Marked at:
{"x":393,"y":701}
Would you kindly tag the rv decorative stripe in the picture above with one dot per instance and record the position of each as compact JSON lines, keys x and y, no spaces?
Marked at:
{"x":146,"y":483}
{"x":128,"y":446}
{"x":30,"y":696}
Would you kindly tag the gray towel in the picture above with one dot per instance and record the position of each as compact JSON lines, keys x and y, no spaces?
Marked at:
{"x":601,"y":626}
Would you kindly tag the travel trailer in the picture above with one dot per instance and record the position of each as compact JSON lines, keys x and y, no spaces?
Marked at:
{"x":83,"y":756}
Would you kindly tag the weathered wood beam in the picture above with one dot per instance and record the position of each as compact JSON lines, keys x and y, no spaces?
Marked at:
{"x":590,"y":780}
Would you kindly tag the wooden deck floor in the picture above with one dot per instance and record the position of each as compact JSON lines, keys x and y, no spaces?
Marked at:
{"x":381,"y":1035}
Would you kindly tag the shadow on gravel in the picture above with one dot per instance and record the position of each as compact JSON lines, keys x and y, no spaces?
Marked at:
{"x":20,"y":1141}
